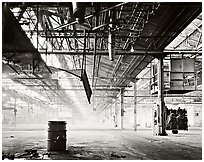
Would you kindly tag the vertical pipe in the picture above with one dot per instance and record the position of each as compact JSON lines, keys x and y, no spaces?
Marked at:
{"x":162,"y":129}
{"x":111,"y":46}
{"x":111,"y":36}
{"x":135,"y":105}
{"x":122,"y":107}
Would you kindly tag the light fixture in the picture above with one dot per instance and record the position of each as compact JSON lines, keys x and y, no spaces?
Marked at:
{"x":132,"y":48}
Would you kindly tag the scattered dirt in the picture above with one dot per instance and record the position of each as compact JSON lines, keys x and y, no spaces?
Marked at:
{"x":104,"y":145}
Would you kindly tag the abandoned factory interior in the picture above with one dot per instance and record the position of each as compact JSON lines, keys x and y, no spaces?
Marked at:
{"x":101,"y":80}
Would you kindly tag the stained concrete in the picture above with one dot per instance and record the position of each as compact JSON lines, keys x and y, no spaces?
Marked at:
{"x":105,"y":144}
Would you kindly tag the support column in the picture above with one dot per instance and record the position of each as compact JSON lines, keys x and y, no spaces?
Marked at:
{"x":135,"y":106}
{"x":122,"y":106}
{"x":161,"y":105}
{"x":116,"y":114}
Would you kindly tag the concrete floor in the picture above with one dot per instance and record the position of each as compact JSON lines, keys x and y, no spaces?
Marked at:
{"x":106,"y":144}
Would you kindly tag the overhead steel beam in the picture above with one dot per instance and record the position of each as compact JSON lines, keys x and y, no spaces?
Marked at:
{"x":165,"y":96}
{"x":102,"y":36}
{"x":120,"y":52}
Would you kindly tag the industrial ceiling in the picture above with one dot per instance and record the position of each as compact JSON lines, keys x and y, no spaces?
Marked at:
{"x":48,"y":45}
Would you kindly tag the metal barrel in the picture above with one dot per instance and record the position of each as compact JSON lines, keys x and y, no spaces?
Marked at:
{"x":56,"y":136}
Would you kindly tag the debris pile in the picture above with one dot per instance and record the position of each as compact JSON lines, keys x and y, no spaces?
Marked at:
{"x":29,"y":154}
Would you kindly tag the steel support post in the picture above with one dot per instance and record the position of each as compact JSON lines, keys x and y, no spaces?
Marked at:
{"x":161,"y":105}
{"x":116,"y":114}
{"x":135,"y":106}
{"x":122,"y":106}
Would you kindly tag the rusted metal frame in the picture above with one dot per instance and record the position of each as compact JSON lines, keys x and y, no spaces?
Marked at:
{"x":84,"y":52}
{"x":74,"y":61}
{"x":95,"y":47}
{"x":23,"y":9}
{"x":131,"y":64}
{"x":197,"y":27}
{"x":88,"y":42}
{"x":69,"y":31}
{"x":61,"y":43}
{"x":30,"y":17}
{"x":124,"y":47}
{"x":90,"y":16}
{"x":55,"y":43}
{"x":38,"y":41}
{"x":76,"y":38}
{"x":169,"y":25}
{"x":106,"y":36}
{"x":67,"y":39}
{"x":89,"y":22}
{"x":35,"y":25}
{"x":130,"y":68}
{"x":187,"y":37}
{"x":105,"y":67}
{"x":155,"y":29}
{"x":60,"y":10}
{"x":101,"y":81}
{"x":103,"y":17}
{"x":47,"y":31}
{"x":47,"y":27}
{"x":139,"y":52}
{"x":100,"y":43}
{"x":76,"y":47}
{"x":69,"y":44}
{"x":199,"y":40}
{"x":42,"y":4}
{"x":97,"y":57}
{"x":51,"y":16}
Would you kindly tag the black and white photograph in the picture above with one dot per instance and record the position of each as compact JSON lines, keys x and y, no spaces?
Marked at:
{"x":101,"y":80}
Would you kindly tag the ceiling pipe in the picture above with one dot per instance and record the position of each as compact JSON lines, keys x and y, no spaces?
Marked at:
{"x":111,"y":46}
